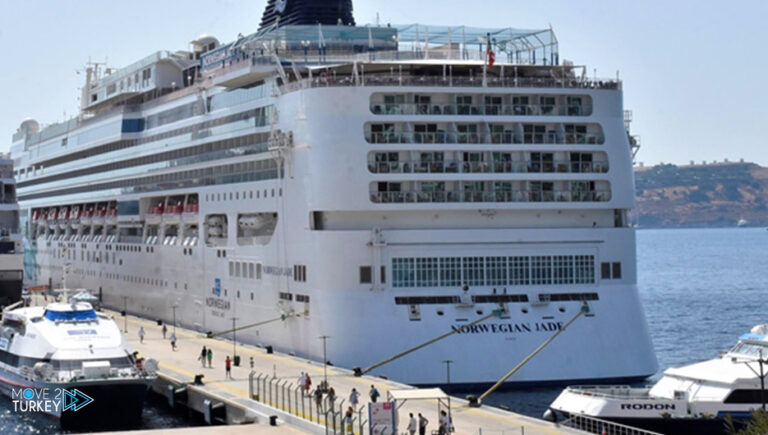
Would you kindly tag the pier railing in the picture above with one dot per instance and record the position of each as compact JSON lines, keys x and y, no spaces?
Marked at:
{"x":598,"y":426}
{"x":293,"y":399}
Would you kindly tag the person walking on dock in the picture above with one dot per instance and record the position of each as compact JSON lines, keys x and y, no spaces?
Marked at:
{"x":173,"y":341}
{"x":349,"y":429}
{"x":423,"y":422}
{"x":443,"y":424}
{"x":141,"y":335}
{"x":331,"y":398}
{"x":228,"y":367}
{"x":302,"y":381}
{"x":319,"y":398}
{"x":412,"y":425}
{"x":374,"y":394}
{"x":165,"y":330}
{"x":203,"y":356}
{"x":308,"y":385}
{"x":354,"y":398}
{"x":210,"y":358}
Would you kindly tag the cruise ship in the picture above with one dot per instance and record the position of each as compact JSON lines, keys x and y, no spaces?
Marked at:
{"x":380,"y":185}
{"x":11,"y":257}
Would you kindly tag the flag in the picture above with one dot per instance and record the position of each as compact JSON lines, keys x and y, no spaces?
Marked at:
{"x":490,"y":55}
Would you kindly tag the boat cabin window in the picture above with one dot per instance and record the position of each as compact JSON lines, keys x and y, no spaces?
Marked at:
{"x":744,"y":396}
{"x":70,"y":316}
{"x":753,"y":349}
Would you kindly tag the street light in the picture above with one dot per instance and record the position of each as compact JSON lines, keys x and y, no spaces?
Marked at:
{"x":448,"y":387}
{"x":125,"y":313}
{"x":234,"y":338}
{"x":174,"y":316}
{"x":325,"y":359}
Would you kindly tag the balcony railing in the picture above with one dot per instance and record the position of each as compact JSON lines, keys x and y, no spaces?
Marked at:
{"x":506,"y":137}
{"x":390,"y":80}
{"x":458,"y":166}
{"x":491,"y":196}
{"x":480,"y":109}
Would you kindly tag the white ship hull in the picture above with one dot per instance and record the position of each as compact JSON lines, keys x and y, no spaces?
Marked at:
{"x":367,"y":326}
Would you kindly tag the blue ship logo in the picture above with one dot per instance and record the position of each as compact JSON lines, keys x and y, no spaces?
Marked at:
{"x":75,"y":399}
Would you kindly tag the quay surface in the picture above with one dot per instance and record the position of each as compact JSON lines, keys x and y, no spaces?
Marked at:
{"x":179,"y":368}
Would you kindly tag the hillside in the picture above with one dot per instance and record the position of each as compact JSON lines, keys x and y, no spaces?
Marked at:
{"x":713,"y":195}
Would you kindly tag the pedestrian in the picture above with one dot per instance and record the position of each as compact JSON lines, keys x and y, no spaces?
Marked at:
{"x":165,"y":330}
{"x":412,"y":425}
{"x":173,"y":341}
{"x":210,"y":358}
{"x":228,"y":367}
{"x":203,"y":355}
{"x":308,"y":385}
{"x":141,"y":335}
{"x":349,"y":428}
{"x":331,"y":397}
{"x":319,"y":398}
{"x":442,"y":423}
{"x":354,"y":398}
{"x":423,"y":422}
{"x":302,"y":380}
{"x":374,"y":394}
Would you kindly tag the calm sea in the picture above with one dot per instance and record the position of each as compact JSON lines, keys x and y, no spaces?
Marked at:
{"x":701,"y":289}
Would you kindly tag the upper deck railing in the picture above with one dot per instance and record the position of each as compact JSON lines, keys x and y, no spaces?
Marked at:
{"x":388,"y":80}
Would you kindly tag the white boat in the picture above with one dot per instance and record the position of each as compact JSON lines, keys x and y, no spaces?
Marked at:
{"x":70,"y":362}
{"x":353,"y":180}
{"x":693,"y":399}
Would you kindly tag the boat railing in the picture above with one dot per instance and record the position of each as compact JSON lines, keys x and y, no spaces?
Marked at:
{"x":612,"y":391}
{"x":598,"y":426}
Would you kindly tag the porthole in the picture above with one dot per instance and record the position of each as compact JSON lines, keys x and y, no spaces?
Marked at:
{"x":440,"y":312}
{"x":561,"y":309}
{"x":524,"y":310}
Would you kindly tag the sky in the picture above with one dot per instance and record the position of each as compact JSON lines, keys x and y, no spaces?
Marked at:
{"x":694,"y":72}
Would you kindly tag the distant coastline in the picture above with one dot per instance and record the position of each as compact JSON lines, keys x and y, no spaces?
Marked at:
{"x":715,"y":195}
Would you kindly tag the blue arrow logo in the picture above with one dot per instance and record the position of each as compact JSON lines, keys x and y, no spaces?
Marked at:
{"x":75,"y":399}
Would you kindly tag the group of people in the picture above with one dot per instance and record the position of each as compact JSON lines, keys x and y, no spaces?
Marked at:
{"x":143,"y":333}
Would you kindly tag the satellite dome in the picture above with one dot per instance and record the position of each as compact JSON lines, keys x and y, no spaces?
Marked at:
{"x":29,"y":126}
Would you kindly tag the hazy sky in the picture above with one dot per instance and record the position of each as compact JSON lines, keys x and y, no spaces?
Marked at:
{"x":694,"y":72}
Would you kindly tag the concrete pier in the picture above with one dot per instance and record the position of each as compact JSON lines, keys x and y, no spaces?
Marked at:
{"x":275,"y":380}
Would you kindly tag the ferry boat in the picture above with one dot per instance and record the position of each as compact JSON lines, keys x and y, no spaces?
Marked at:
{"x":70,"y":362}
{"x":11,"y":257}
{"x":381,"y":185}
{"x":690,"y":399}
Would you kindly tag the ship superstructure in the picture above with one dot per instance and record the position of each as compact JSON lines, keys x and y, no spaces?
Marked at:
{"x":11,"y":257}
{"x":381,"y":185}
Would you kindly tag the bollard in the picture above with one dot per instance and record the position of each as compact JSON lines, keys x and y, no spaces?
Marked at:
{"x":273,"y":420}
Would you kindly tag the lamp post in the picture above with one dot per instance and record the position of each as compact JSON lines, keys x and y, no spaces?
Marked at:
{"x":234,"y":338}
{"x":325,"y":359}
{"x":174,"y":306}
{"x":448,"y":387}
{"x":125,"y":313}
